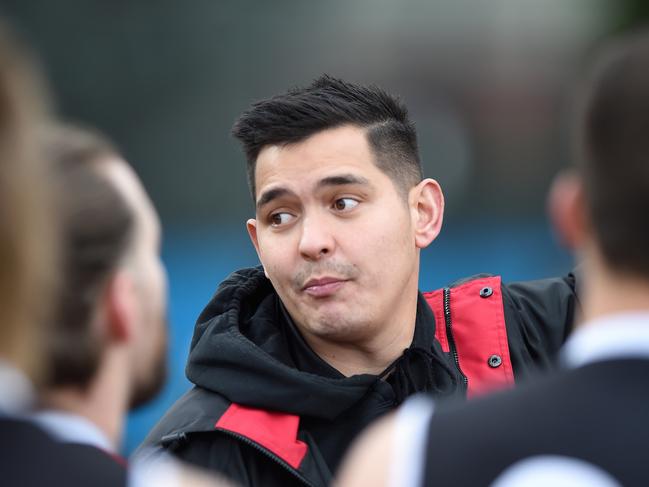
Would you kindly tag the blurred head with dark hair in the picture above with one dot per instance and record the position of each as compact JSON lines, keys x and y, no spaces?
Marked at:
{"x":112,"y":303}
{"x":601,"y":207}
{"x":342,"y":212}
{"x":28,"y":242}
{"x":614,"y":154}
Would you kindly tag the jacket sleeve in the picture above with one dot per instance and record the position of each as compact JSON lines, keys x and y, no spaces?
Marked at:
{"x":539,"y":316}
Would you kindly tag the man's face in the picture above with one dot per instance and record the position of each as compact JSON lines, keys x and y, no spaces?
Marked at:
{"x":334,"y":235}
{"x":150,"y":288}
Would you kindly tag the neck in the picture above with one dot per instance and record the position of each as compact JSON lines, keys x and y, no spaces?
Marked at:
{"x":608,"y":292}
{"x":104,"y":402}
{"x":372,"y":353}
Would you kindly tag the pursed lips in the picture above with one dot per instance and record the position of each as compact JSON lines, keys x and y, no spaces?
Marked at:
{"x":323,"y":287}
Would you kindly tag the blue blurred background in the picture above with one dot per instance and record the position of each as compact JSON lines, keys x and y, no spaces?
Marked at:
{"x":488,"y":85}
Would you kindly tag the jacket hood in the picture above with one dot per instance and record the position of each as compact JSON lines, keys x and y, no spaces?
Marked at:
{"x":239,"y":351}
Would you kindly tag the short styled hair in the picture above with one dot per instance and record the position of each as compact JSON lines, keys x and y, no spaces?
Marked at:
{"x":329,"y":103}
{"x":97,"y":228}
{"x":613,"y":154}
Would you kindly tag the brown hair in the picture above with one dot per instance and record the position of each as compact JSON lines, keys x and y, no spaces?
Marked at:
{"x":28,"y":244}
{"x":97,"y":226}
{"x":613,"y":152}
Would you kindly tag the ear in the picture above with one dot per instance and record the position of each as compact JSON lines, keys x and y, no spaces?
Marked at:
{"x":120,"y":302}
{"x":567,"y":209}
{"x":251,"y":226}
{"x":427,"y":209}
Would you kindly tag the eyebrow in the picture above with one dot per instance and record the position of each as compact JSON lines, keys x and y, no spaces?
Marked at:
{"x":341,"y":180}
{"x":338,"y":180}
{"x":270,"y":195}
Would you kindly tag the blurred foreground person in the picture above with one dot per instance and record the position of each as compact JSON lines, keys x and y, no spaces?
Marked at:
{"x":293,"y":359}
{"x":107,"y":349}
{"x":28,"y":240}
{"x":587,"y":425}
{"x":28,"y":250}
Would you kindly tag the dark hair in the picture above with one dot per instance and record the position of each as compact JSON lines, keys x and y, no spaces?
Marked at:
{"x":329,"y":103}
{"x":613,"y":152}
{"x":97,"y":229}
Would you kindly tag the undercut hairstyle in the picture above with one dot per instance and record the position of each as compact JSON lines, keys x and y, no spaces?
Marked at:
{"x":330,"y":103}
{"x":97,"y":229}
{"x":613,"y":154}
{"x":28,"y":238}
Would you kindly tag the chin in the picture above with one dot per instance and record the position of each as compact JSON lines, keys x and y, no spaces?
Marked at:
{"x":148,"y":388}
{"x":338,"y":328}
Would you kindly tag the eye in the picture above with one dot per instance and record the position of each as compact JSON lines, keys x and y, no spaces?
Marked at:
{"x":280,"y":218}
{"x":345,"y":204}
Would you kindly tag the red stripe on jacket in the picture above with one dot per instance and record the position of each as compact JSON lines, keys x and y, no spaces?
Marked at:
{"x":277,"y":432}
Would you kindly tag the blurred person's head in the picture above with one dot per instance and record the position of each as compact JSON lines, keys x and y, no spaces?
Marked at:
{"x":602,"y":209}
{"x":615,"y":156}
{"x":113,"y":291}
{"x":341,"y":207}
{"x":28,"y":242}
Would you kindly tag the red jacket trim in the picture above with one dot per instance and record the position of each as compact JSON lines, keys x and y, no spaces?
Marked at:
{"x":435,"y":300}
{"x":479,"y":332}
{"x":277,"y":432}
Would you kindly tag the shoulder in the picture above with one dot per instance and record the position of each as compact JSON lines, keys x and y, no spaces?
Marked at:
{"x":538,"y":314}
{"x":564,"y":413}
{"x":196,"y":411}
{"x":554,"y":286}
{"x":533,"y":415}
{"x":553,"y":289}
{"x":51,"y":462}
{"x":241,"y":443}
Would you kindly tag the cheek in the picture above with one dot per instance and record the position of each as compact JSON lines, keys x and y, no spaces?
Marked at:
{"x":276,"y":256}
{"x":156,"y":290}
{"x":383,"y":238}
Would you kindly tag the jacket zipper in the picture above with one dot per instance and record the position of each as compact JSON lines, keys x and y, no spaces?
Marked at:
{"x":268,"y":454}
{"x":449,"y":334}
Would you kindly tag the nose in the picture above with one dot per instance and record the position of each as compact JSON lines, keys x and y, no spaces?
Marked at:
{"x":316,"y":240}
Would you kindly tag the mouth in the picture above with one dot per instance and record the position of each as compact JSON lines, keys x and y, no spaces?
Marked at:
{"x":323,"y":287}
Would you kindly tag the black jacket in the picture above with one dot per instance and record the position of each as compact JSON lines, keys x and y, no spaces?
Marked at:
{"x":597,"y":413}
{"x":30,"y":457}
{"x":266,"y":410}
